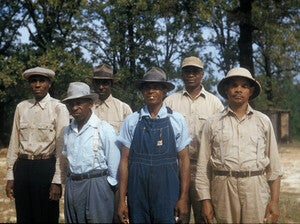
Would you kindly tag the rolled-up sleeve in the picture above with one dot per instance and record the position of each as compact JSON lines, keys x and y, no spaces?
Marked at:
{"x":13,"y":148}
{"x":203,"y":174}
{"x":274,"y":169}
{"x":112,"y":152}
{"x":62,"y":120}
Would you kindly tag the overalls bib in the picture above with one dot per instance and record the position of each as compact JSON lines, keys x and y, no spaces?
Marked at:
{"x":153,"y":178}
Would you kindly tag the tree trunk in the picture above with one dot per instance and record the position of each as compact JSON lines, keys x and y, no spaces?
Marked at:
{"x":245,"y":40}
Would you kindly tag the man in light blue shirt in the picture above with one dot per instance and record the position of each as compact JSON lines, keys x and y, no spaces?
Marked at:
{"x":93,"y":157}
{"x":154,"y":169}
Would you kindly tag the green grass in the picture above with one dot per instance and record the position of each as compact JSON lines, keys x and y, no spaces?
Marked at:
{"x":289,"y":208}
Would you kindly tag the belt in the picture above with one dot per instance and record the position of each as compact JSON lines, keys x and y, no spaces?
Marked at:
{"x":35,"y":157}
{"x":83,"y":176}
{"x":239,"y":174}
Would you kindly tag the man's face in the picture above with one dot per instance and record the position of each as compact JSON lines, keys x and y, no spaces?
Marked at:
{"x":192,"y":76}
{"x":154,"y":93}
{"x":80,"y":108}
{"x":40,"y":86}
{"x":238,"y":90}
{"x":102,"y":87}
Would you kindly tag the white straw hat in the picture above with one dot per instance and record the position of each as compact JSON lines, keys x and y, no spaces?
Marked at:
{"x":239,"y":72}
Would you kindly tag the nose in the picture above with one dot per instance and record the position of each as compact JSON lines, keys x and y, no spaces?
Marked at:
{"x":37,"y":83}
{"x":238,"y":88}
{"x":101,"y":86}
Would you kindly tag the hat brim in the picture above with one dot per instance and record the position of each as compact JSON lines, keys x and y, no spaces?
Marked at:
{"x":96,"y":77}
{"x":192,"y":65}
{"x":168,"y":85}
{"x":92,"y":96}
{"x":29,"y":74}
{"x":222,"y":84}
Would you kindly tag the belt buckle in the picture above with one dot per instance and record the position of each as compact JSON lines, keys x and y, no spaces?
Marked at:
{"x":31,"y":157}
{"x":244,"y":174}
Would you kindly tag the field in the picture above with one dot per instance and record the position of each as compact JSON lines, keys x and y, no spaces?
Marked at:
{"x":289,"y":197}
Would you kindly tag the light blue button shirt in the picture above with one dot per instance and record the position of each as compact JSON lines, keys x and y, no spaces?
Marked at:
{"x":79,"y":148}
{"x":178,"y":123}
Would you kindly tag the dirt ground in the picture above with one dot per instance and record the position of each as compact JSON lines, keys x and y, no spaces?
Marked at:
{"x":289,"y":197}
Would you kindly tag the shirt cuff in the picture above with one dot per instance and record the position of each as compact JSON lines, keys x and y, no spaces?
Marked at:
{"x":112,"y":181}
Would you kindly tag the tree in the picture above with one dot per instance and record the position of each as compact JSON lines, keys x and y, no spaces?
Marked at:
{"x":277,"y":45}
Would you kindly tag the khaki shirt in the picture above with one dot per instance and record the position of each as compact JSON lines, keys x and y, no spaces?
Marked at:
{"x":113,"y":111}
{"x":195,"y":111}
{"x":38,"y":129}
{"x":228,"y":143}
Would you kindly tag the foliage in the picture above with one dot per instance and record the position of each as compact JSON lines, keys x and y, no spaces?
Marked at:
{"x":71,"y":37}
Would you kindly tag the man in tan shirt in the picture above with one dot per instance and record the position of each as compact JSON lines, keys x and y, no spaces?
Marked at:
{"x":33,"y":158}
{"x":238,"y":170}
{"x":196,"y":105}
{"x":108,"y":108}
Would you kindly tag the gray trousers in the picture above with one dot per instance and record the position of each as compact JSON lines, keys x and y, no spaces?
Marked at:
{"x":89,"y":201}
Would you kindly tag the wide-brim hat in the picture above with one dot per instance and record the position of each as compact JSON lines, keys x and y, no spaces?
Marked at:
{"x":39,"y":71}
{"x":78,"y":90}
{"x":239,"y":72}
{"x":154,"y":75}
{"x":192,"y":61}
{"x":103,"y":71}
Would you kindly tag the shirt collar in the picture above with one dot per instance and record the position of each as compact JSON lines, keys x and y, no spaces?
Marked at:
{"x":42,"y":103}
{"x":106,"y":102}
{"x":228,"y":111}
{"x":93,"y":122}
{"x":202,"y":93}
{"x":161,"y":114}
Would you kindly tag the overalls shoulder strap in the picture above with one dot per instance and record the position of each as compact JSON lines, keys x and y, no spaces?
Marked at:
{"x":96,"y":139}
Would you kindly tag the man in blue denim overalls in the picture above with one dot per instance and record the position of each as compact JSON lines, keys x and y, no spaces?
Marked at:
{"x":154,"y":169}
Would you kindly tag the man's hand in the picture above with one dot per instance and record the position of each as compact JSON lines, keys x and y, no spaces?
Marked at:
{"x":123,"y":212}
{"x":207,"y":211}
{"x":10,"y":189}
{"x":181,"y":210}
{"x":55,"y":192}
{"x":272,"y":212}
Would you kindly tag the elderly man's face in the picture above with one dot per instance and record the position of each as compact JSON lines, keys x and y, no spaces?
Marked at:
{"x":154,"y":93}
{"x":192,"y":76}
{"x":103,"y":88}
{"x":238,"y":91}
{"x":80,"y":108}
{"x":40,"y":86}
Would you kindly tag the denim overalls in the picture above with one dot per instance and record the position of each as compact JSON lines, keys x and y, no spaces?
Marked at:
{"x":153,"y":179}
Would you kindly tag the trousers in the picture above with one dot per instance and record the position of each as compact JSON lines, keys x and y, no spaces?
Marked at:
{"x":32,"y":180}
{"x":89,"y":200}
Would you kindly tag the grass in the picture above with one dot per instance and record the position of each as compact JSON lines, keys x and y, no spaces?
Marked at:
{"x":289,"y":208}
{"x":289,"y":202}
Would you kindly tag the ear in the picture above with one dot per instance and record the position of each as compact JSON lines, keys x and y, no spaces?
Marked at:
{"x":165,"y":91}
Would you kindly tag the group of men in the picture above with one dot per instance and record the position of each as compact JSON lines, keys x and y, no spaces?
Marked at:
{"x":175,"y":154}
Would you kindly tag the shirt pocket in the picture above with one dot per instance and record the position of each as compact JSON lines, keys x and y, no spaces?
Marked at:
{"x":46,"y":132}
{"x":24,"y":131}
{"x":220,"y":143}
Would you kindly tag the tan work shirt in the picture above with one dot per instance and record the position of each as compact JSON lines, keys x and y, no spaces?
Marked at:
{"x":113,"y":111}
{"x":195,"y":111}
{"x":38,"y":129}
{"x":228,"y":143}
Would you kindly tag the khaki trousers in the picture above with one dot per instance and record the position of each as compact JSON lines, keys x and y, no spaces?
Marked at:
{"x":240,"y":200}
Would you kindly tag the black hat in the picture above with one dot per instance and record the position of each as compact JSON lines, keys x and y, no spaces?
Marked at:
{"x":155,"y":75}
